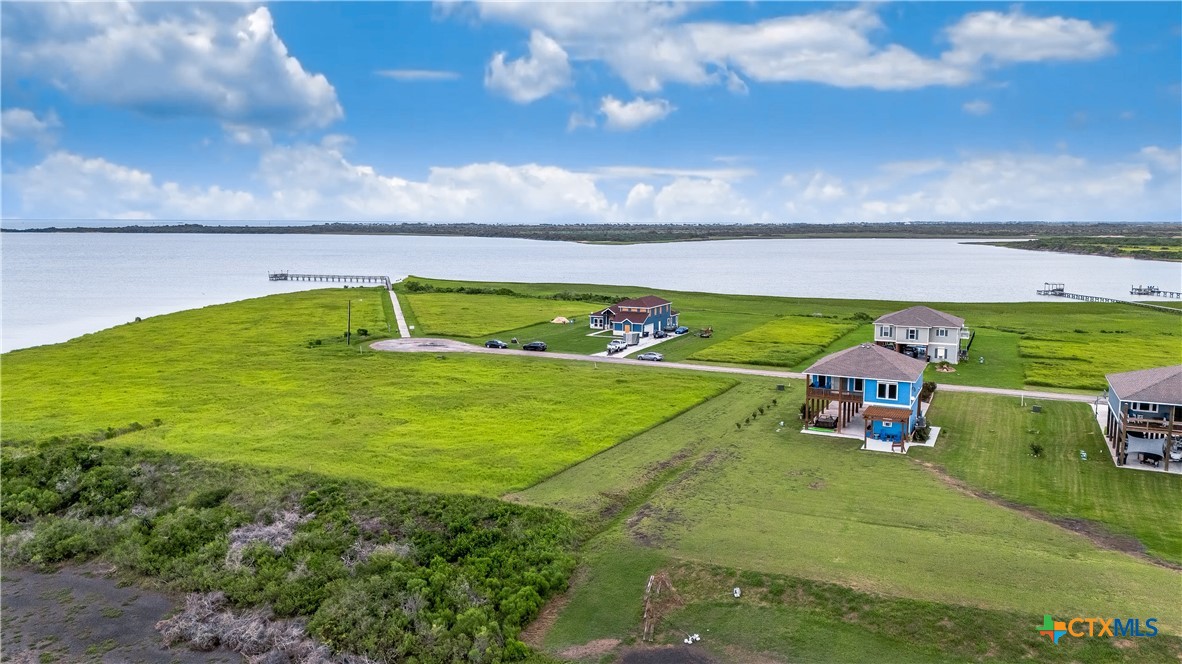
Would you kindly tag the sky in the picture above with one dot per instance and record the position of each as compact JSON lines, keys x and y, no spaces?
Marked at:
{"x":592,"y":112}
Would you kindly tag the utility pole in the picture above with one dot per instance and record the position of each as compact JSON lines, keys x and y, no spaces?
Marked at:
{"x":349,"y":325}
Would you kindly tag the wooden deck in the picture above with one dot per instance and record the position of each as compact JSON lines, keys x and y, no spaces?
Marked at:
{"x":1058,"y":290}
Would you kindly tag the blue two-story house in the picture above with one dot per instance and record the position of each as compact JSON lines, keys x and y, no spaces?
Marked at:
{"x":868,"y":380}
{"x":1145,"y":415}
{"x":643,"y":314}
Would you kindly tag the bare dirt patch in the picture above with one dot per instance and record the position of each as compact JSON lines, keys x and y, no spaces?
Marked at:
{"x":590,"y":649}
{"x":82,"y":615}
{"x":1095,"y":532}
{"x":666,"y":655}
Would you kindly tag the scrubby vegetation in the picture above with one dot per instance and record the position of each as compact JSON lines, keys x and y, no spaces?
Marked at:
{"x":390,"y":575}
{"x":1160,"y":248}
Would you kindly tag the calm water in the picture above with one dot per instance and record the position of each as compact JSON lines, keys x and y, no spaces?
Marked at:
{"x":58,"y":286}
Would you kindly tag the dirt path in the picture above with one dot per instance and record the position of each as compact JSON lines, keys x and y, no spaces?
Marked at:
{"x":428,"y":345}
{"x":1096,"y":533}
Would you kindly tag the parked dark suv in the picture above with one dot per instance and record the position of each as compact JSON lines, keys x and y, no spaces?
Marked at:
{"x":534,"y":345}
{"x":495,"y":343}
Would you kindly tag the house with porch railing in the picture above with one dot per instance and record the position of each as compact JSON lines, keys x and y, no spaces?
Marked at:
{"x":923,"y":333}
{"x":870,"y":383}
{"x":1145,"y":415}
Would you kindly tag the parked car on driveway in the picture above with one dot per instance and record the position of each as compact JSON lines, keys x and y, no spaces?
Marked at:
{"x":650,"y":356}
{"x":495,"y":343}
{"x":660,"y":334}
{"x":1176,"y":450}
{"x":681,"y":330}
{"x":534,"y":345}
{"x":616,"y":345}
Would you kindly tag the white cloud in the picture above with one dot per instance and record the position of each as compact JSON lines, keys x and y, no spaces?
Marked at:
{"x":650,"y":44}
{"x":1163,"y":159}
{"x":648,"y":172}
{"x":639,"y":204}
{"x":579,"y":121}
{"x":415,"y":75}
{"x":208,"y":60}
{"x":699,"y":200}
{"x":529,"y":78}
{"x":626,"y":116}
{"x":69,"y":186}
{"x":18,"y":124}
{"x":1002,"y":187}
{"x":1017,"y":37}
{"x":310,"y":182}
{"x":977,"y":107}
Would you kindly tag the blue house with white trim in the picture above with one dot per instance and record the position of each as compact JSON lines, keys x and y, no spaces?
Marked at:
{"x":643,"y":314}
{"x":868,"y":380}
{"x":1145,"y":415}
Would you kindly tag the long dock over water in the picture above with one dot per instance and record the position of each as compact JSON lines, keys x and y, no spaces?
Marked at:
{"x":1058,"y":290}
{"x":356,"y":278}
{"x":1154,"y":290}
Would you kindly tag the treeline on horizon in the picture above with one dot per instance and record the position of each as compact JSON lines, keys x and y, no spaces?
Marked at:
{"x":674,"y":232}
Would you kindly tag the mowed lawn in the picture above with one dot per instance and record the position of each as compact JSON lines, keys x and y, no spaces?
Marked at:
{"x":986,"y":442}
{"x":784,"y":342}
{"x":701,"y":490}
{"x":1053,"y":344}
{"x":464,"y":315}
{"x":240,"y":382}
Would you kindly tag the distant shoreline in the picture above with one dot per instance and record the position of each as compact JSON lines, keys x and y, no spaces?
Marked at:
{"x":601,"y":233}
{"x":1153,"y":248}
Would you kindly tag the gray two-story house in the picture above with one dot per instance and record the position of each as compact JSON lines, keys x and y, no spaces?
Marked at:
{"x":922,"y":333}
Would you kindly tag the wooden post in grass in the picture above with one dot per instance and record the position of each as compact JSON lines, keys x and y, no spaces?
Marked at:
{"x":349,"y":323}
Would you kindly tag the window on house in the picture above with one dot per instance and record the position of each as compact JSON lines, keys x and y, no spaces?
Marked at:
{"x":857,"y":384}
{"x":942,"y":332}
{"x":886,"y":331}
{"x":912,"y":334}
{"x":1143,"y":407}
{"x":888,"y":391}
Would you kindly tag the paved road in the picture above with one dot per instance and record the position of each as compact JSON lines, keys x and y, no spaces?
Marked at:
{"x":403,"y":330}
{"x":427,"y":345}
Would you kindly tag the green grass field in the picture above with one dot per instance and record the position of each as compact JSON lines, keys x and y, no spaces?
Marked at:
{"x":240,"y":383}
{"x":988,"y":442}
{"x":700,"y":492}
{"x":1049,"y":345}
{"x":784,"y":342}
{"x":463,"y":315}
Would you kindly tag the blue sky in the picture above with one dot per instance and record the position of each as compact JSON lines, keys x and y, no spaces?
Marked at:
{"x":611,"y":112}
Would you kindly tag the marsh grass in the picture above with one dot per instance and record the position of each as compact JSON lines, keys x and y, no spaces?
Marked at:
{"x":240,"y":383}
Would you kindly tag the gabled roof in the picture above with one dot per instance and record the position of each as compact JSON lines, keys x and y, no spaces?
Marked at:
{"x":648,"y":301}
{"x":631,"y":317}
{"x":1158,"y":385}
{"x":869,"y":361}
{"x":920,"y":316}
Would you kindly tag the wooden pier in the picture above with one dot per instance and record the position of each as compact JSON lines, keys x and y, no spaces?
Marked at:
{"x":1155,"y":291}
{"x":1058,"y":290}
{"x":355,"y":278}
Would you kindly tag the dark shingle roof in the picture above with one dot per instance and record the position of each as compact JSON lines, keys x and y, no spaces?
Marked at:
{"x":1158,"y":385}
{"x":920,"y":316}
{"x":646,"y":301}
{"x":869,"y":361}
